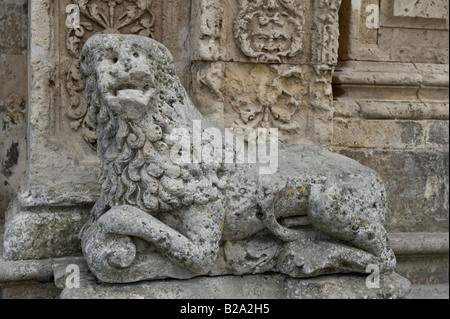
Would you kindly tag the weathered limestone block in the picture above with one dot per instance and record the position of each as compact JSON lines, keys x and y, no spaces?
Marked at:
{"x":422,"y":257}
{"x":161,"y":217}
{"x":13,"y":20}
{"x":418,"y":196}
{"x":258,"y":287}
{"x":266,"y":63}
{"x":13,"y":98}
{"x":423,"y":9}
{"x":378,"y":134}
{"x":267,"y":31}
{"x":393,"y":117}
{"x":43,"y":232}
{"x":60,"y":169}
{"x":250,"y":96}
{"x":401,"y":31}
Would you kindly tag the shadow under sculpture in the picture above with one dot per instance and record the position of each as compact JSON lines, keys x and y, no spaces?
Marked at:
{"x":320,"y":213}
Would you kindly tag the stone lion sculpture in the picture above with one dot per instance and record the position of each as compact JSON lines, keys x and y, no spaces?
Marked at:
{"x":320,"y":213}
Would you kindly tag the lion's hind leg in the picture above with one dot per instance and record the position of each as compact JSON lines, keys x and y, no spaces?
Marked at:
{"x":314,"y":256}
{"x":352,"y":209}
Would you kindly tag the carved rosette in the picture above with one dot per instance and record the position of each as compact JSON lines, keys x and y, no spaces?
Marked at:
{"x":84,"y":19}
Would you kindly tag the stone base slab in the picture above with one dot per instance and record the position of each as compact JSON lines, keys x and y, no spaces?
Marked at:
{"x":42,"y":232}
{"x":266,"y":286}
{"x":440,"y":291}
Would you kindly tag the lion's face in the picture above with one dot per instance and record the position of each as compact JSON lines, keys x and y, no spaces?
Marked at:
{"x":126,"y":80}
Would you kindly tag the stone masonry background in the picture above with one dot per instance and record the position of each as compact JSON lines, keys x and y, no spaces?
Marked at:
{"x":391,"y":109}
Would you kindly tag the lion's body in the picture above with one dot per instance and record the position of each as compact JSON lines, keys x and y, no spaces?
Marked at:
{"x":189,"y":215}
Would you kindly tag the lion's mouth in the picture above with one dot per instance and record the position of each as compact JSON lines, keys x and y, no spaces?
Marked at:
{"x":116,"y":90}
{"x":129,"y":99}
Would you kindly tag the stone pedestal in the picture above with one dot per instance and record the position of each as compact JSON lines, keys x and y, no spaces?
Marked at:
{"x":248,"y":287}
{"x":262,"y":286}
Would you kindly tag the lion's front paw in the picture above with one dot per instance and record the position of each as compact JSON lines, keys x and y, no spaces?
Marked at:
{"x":115,"y":226}
{"x":123,"y":251}
{"x":120,"y":220}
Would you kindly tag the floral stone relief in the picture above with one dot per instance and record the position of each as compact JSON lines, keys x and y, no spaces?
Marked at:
{"x":279,"y":72}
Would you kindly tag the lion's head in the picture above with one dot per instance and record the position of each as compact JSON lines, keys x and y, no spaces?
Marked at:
{"x":136,"y":101}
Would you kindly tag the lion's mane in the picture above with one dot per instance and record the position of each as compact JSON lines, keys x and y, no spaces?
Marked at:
{"x":134,"y":154}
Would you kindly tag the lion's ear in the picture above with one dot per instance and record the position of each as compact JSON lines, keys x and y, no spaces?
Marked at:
{"x":85,"y":58}
{"x":166,"y":55}
{"x":86,"y":61}
{"x":84,"y":66}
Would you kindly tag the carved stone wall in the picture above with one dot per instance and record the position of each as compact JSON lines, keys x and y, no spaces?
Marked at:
{"x":391,"y":104}
{"x":395,"y":31}
{"x":391,"y":114}
{"x":258,"y":64}
{"x":244,"y":63}
{"x":13,"y":98}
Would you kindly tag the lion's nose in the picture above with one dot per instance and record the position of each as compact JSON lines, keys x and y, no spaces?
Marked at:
{"x":126,"y":69}
{"x":120,"y":74}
